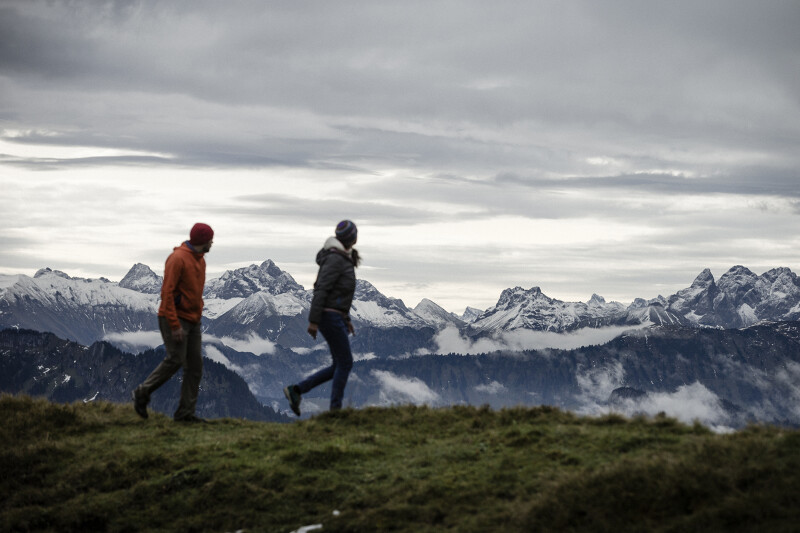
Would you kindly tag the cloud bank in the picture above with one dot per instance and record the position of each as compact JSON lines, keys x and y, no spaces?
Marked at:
{"x":450,"y":340}
{"x":688,"y":403}
{"x":135,"y":341}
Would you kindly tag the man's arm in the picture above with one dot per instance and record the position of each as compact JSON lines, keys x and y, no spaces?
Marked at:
{"x":172,"y":275}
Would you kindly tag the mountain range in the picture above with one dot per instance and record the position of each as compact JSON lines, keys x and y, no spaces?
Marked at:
{"x":266,"y":301}
{"x":255,"y":323}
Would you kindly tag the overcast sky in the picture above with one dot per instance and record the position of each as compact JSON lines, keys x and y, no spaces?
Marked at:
{"x":615,"y":147}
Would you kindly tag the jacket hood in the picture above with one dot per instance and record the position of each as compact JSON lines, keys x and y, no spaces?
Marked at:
{"x":332,"y":245}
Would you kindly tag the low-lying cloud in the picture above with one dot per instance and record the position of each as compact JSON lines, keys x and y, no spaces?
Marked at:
{"x":492,"y":388}
{"x":251,"y":344}
{"x":450,"y":340}
{"x":135,"y":341}
{"x":687,"y":403}
{"x":211,"y":352}
{"x":396,"y":389}
{"x":598,"y":383}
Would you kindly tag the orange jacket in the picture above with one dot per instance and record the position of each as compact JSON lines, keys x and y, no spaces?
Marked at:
{"x":182,"y":290}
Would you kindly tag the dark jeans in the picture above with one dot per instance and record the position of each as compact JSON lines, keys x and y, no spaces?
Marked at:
{"x":334,"y":329}
{"x":187,"y":355}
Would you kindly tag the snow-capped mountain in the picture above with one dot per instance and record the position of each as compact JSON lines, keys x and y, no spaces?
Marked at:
{"x":373,"y":308}
{"x":432,"y":313}
{"x":470,"y":314}
{"x":141,"y":278}
{"x":244,"y":282}
{"x":654,"y":311}
{"x":78,"y":309}
{"x":518,"y":308}
{"x":740,"y":299}
{"x":264,"y":300}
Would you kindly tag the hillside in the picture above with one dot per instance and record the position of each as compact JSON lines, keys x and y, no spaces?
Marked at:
{"x":97,"y":466}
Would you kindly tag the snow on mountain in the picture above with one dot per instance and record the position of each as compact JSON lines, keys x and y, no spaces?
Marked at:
{"x":652,"y":312}
{"x":433,"y":314}
{"x":78,"y":309}
{"x":369,"y":307}
{"x":58,"y":288}
{"x":470,"y":314}
{"x":373,"y":308}
{"x":141,"y":278}
{"x":244,"y":282}
{"x":740,"y":298}
{"x":249,"y":309}
{"x":267,"y":301}
{"x":215,"y":307}
{"x":779,"y":289}
{"x":531,"y":309}
{"x":696,"y":302}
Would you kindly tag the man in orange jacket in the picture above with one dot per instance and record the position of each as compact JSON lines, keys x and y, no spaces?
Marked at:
{"x":179,"y":321}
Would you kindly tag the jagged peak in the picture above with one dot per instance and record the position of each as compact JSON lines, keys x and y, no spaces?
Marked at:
{"x":45,"y":271}
{"x":739,"y":269}
{"x":470,"y":314}
{"x":596,"y":299}
{"x":776,"y":273}
{"x":508,"y":293}
{"x":138,"y":270}
{"x":425,"y":302}
{"x":363,"y":285}
{"x":704,"y":279}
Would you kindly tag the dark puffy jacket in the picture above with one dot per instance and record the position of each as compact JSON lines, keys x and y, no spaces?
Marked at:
{"x":336,"y":281}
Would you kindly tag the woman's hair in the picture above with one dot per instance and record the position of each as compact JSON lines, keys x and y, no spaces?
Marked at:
{"x":355,"y":256}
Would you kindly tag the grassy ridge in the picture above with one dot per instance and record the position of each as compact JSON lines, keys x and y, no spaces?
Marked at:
{"x":99,"y":467}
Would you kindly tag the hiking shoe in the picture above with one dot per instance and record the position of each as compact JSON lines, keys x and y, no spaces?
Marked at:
{"x":192,"y":419}
{"x":294,"y":397}
{"x":139,"y":405}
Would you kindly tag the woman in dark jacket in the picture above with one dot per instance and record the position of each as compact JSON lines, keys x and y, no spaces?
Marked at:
{"x":330,"y":314}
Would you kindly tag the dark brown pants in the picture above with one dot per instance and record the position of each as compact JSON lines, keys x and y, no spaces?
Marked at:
{"x":187,"y":355}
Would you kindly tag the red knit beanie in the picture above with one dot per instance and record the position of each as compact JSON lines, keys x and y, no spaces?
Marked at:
{"x":200,"y":234}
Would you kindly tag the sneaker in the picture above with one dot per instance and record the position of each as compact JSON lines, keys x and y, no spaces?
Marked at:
{"x":192,"y":419}
{"x":294,"y":397}
{"x":139,"y":405}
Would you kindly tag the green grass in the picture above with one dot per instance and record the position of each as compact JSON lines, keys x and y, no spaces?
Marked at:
{"x":99,"y":467}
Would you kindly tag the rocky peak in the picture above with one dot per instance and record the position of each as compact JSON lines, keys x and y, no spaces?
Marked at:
{"x":141,"y":278}
{"x":470,"y":314}
{"x":366,"y":292}
{"x":249,"y":280}
{"x":435,"y":314}
{"x":704,"y":279}
{"x":596,"y":299}
{"x":45,"y":271}
{"x":518,"y":295}
{"x":737,"y":282}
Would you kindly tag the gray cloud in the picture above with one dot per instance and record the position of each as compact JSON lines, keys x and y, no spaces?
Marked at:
{"x":667,"y":133}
